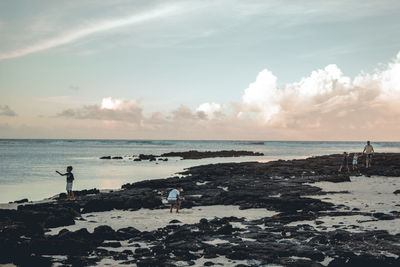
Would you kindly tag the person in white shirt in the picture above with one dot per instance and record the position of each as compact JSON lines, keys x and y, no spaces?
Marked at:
{"x":174,"y":198}
{"x":368,"y":151}
{"x":355,"y":161}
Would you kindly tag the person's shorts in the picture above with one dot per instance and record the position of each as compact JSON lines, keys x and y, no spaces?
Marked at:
{"x":173,"y":202}
{"x":344,"y":162}
{"x":369,"y":156}
{"x":69,"y":187}
{"x":355,"y":162}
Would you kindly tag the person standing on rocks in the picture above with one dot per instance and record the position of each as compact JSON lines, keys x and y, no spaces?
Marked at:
{"x":70,"y":179}
{"x":174,"y":198}
{"x":355,"y":161}
{"x":368,"y":151}
{"x":345,"y":162}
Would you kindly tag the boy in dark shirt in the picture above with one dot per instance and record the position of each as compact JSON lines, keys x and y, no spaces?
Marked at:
{"x":70,"y":179}
{"x":345,"y":162}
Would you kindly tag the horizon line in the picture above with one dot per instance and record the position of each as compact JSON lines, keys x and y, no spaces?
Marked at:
{"x":212,"y":140}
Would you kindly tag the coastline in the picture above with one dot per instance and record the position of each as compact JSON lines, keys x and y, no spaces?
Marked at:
{"x":30,"y":173}
{"x":289,"y":210}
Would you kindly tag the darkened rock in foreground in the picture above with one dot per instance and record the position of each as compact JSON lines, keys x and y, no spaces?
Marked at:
{"x":282,"y":186}
{"x":80,"y":193}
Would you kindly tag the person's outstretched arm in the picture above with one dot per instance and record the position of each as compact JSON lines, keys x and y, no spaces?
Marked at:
{"x":60,"y":173}
{"x":364,"y":149}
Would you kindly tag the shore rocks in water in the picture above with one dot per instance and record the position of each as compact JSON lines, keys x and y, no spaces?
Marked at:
{"x":194,"y":154}
{"x":109,"y":157}
{"x":147,"y":157}
{"x":24,"y":200}
{"x":282,"y":186}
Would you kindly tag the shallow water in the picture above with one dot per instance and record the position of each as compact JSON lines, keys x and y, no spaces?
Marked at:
{"x":27,"y":167}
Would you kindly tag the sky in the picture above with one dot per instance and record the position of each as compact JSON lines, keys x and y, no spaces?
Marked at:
{"x":234,"y":70}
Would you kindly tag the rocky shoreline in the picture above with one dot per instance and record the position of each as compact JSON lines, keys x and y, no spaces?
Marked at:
{"x":284,"y":187}
{"x":192,"y":154}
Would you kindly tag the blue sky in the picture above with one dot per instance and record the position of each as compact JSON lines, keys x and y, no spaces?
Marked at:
{"x":160,"y":55}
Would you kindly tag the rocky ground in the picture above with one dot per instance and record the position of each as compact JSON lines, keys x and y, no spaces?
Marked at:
{"x":284,"y":187}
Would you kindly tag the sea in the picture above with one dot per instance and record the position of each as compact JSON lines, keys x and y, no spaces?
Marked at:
{"x":28,"y":166}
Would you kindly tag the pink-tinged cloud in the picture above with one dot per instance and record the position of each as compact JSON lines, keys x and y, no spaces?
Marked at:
{"x":110,"y":110}
{"x":326,"y":105}
{"x":327,"y":99}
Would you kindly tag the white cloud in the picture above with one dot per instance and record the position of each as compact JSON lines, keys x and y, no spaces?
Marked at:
{"x":327,"y":100}
{"x":263,"y":95}
{"x":111,"y":103}
{"x":221,"y":16}
{"x":388,"y":80}
{"x":209,"y":110}
{"x":104,"y":26}
{"x":111,"y":109}
{"x":326,"y":105}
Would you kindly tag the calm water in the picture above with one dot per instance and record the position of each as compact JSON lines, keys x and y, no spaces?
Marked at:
{"x":27,"y":167}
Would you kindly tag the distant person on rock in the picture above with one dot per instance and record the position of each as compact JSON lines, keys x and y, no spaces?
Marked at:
{"x":355,"y":161}
{"x":368,"y":151}
{"x":345,"y":162}
{"x":70,"y":179}
{"x":174,"y":198}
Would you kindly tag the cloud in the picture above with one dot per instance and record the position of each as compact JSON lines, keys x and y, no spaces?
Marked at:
{"x":182,"y":113}
{"x":49,"y":20}
{"x":5,"y":110}
{"x":210,"y":111}
{"x":327,"y":100}
{"x":326,"y":105}
{"x":111,"y":109}
{"x":99,"y":27}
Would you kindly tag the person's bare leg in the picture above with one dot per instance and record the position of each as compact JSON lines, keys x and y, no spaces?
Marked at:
{"x":178,"y":206}
{"x":170,"y":209}
{"x":72,"y":195}
{"x":340,"y":168}
{"x":348,"y":170}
